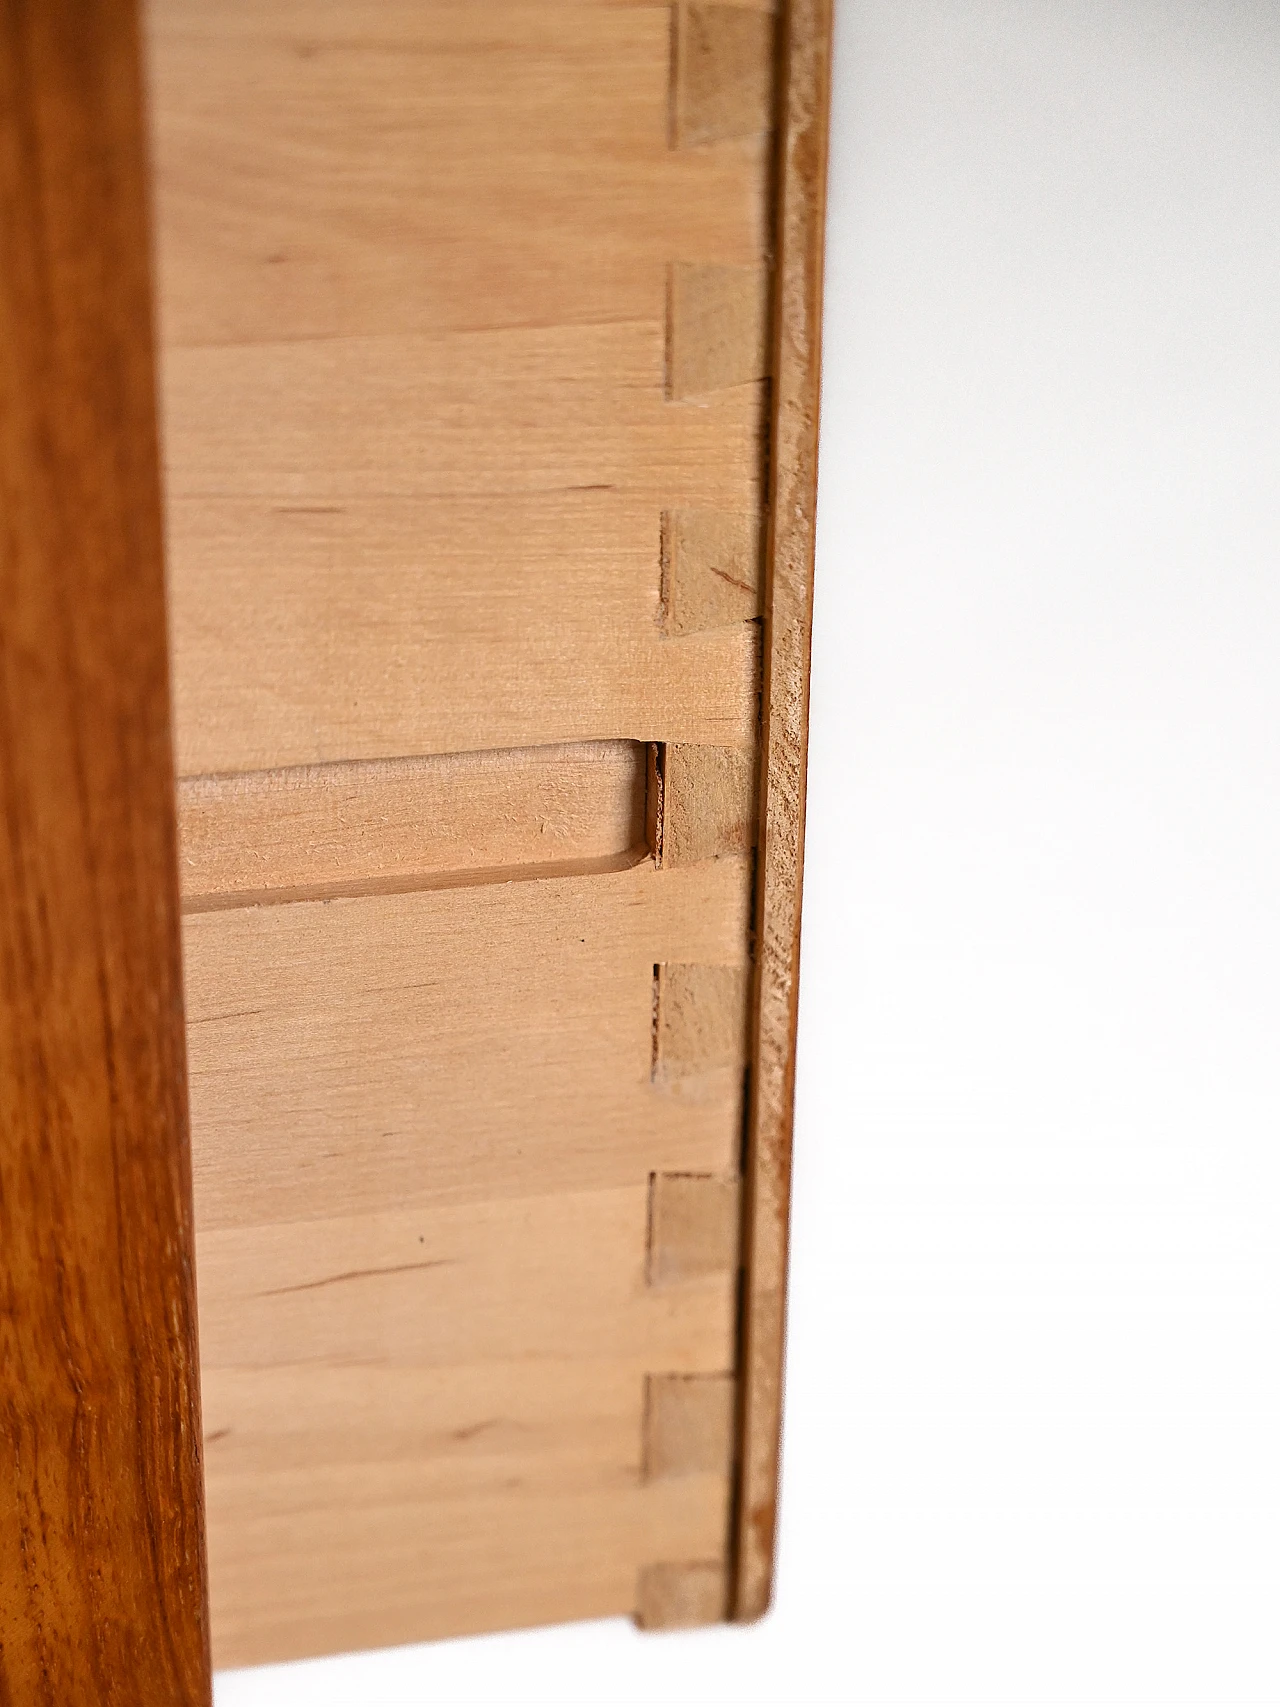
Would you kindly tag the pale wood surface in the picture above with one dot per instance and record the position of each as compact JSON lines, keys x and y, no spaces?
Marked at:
{"x":688,"y":1424}
{"x":409,"y":823}
{"x":693,"y":1225}
{"x":340,"y":628}
{"x":464,"y":314}
{"x":562,"y":1275}
{"x":678,"y":1596}
{"x":701,"y":1019}
{"x":327,"y":168}
{"x":374,"y":1505}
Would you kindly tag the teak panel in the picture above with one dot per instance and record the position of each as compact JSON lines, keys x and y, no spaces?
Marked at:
{"x":102,"y":1582}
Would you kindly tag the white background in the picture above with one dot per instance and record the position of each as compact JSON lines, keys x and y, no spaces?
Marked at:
{"x":1033,"y":1429}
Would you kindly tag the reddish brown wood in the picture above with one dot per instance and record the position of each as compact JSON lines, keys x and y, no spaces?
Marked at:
{"x":802,"y":174}
{"x":102,"y":1578}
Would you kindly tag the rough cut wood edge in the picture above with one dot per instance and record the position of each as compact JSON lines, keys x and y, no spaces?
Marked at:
{"x":102,"y":1576}
{"x":800,"y":207}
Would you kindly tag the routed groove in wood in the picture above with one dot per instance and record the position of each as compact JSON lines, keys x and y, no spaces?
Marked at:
{"x":102,"y":1582}
{"x":359,"y":828}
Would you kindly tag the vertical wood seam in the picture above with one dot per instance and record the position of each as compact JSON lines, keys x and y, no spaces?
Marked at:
{"x":717,"y":334}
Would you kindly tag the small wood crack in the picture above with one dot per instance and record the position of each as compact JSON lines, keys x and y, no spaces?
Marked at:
{"x":355,"y":1274}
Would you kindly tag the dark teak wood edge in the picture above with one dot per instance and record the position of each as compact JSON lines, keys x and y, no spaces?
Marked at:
{"x":102,"y":1573}
{"x":800,"y":193}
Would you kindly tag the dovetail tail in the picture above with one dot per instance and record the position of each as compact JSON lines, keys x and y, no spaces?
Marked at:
{"x":649,"y":1223}
{"x":655,"y":1043}
{"x":702,"y":1018}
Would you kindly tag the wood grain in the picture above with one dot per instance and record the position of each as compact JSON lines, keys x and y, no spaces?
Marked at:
{"x":317,"y":179}
{"x":417,"y":445}
{"x":708,"y":803}
{"x":462,"y":440}
{"x":680,"y":1596}
{"x":447,"y":1046}
{"x":805,"y":76}
{"x":359,"y":1554}
{"x":397,"y":1271}
{"x":688,"y":1424}
{"x":701,"y":1019}
{"x":102,"y":1581}
{"x":559,"y":1275}
{"x":333,"y":628}
{"x":717,"y":328}
{"x":356,"y":828}
{"x":724,"y":72}
{"x":711,"y":569}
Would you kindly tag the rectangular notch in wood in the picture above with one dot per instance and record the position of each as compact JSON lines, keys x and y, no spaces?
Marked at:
{"x":317,"y":830}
